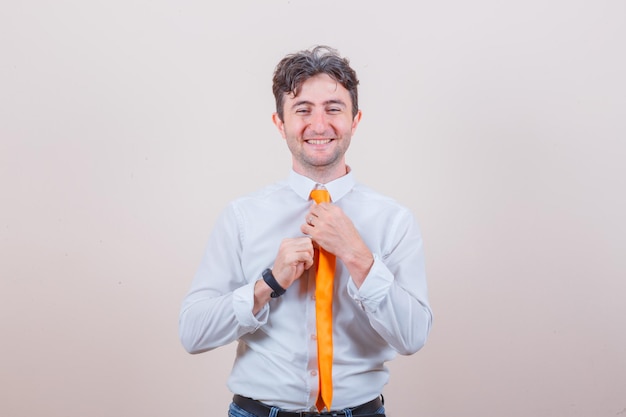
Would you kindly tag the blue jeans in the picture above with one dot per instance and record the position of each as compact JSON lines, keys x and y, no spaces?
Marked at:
{"x":236,"y":411}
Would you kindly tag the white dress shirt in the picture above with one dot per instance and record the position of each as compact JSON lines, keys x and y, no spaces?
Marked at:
{"x":276,"y":360}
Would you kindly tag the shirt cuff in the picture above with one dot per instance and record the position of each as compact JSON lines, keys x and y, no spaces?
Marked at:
{"x":243,"y":304}
{"x":375,"y":287}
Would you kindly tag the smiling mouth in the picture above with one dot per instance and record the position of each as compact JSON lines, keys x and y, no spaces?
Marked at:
{"x":318,"y":141}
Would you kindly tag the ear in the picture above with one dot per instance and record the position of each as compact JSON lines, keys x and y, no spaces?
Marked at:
{"x":280,"y":125}
{"x":356,"y":120}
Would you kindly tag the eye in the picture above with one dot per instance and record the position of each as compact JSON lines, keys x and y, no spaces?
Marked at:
{"x":302,"y":111}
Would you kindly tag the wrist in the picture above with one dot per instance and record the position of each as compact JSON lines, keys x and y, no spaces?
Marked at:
{"x":270,"y":280}
{"x":360,"y":266}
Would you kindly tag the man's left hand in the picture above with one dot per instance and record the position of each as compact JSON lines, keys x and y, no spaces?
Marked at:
{"x":331,"y":229}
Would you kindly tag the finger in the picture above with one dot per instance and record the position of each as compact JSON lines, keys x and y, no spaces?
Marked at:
{"x":318,"y":208}
{"x":303,"y":244}
{"x":305,"y":258}
{"x":307,"y":230}
{"x":308,"y":255}
{"x":314,"y":210}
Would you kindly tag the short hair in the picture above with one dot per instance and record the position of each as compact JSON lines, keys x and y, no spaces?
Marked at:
{"x":294,"y":69}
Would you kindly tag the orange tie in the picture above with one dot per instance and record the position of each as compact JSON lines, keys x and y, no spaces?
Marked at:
{"x":324,"y":316}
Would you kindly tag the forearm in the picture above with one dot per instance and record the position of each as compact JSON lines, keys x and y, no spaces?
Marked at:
{"x":396,"y":304}
{"x":358,"y":261}
{"x":402,"y":320}
{"x":209,"y":322}
{"x":206,"y":324}
{"x":262,"y":295}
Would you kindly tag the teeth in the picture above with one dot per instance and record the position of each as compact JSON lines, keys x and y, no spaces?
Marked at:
{"x":319,"y":141}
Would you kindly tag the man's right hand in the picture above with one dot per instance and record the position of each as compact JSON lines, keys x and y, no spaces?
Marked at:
{"x":294,"y":257}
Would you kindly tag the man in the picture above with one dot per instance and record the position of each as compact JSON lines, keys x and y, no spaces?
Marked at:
{"x":257,"y":280}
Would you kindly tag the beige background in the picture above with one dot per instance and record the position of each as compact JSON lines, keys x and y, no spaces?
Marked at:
{"x":126,"y":126}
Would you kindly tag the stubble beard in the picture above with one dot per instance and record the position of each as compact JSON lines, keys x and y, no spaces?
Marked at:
{"x":319,"y":167}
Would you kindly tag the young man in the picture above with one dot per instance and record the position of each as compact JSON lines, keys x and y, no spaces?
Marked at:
{"x":260,"y":281}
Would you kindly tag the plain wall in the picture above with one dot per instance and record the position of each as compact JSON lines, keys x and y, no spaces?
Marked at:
{"x":127,"y":126}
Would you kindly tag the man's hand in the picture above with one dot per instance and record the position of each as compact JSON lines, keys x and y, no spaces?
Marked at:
{"x":294,"y":256}
{"x":332,"y":229}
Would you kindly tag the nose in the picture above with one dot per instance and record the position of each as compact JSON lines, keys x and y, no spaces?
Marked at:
{"x":318,"y":122}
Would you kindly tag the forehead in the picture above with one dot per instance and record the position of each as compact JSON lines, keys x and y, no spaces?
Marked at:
{"x":320,"y":88}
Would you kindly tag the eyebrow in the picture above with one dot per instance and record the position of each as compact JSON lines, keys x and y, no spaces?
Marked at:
{"x":326,"y":103}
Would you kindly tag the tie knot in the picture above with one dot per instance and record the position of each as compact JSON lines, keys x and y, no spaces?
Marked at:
{"x":320,"y":196}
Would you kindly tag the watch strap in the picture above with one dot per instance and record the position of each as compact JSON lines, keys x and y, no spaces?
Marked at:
{"x":270,"y":280}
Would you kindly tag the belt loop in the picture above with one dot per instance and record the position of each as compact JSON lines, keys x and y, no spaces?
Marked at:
{"x":274,"y":412}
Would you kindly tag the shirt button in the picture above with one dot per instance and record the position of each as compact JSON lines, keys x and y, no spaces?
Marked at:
{"x":313,"y":337}
{"x":313,"y":297}
{"x":314,"y":373}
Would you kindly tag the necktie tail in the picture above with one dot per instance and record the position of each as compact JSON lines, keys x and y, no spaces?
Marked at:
{"x":324,"y":320}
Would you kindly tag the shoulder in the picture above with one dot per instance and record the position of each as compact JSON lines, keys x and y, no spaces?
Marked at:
{"x":362,"y":193}
{"x":263,"y":192}
{"x":377,"y":203}
{"x":266,"y":197}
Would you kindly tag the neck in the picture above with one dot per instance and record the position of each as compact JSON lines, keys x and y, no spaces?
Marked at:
{"x":323,"y":175}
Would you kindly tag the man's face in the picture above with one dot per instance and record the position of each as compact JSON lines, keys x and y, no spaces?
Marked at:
{"x":318,"y":125}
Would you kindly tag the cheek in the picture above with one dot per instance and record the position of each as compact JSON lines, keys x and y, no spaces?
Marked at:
{"x":345,"y":128}
{"x":293,"y":128}
{"x":300,"y":131}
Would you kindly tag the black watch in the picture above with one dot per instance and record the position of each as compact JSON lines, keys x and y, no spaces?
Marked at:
{"x":269,"y":279}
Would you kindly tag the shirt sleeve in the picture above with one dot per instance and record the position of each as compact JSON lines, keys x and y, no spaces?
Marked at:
{"x":217,"y":310}
{"x":394,"y":295}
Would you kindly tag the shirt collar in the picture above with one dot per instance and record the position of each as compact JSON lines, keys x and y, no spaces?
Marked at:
{"x":337,"y":188}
